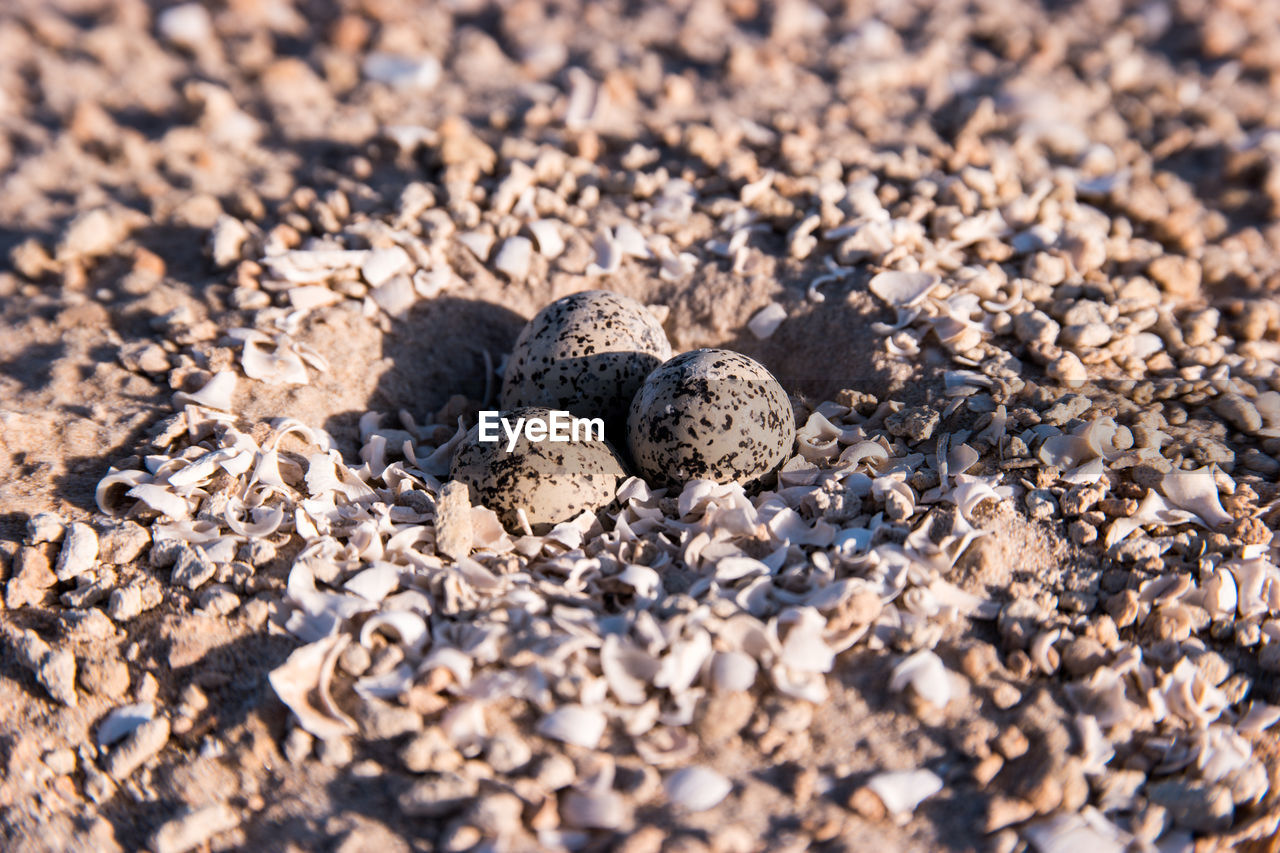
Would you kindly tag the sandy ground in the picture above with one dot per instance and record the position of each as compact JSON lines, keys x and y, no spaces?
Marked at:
{"x":132,"y":133}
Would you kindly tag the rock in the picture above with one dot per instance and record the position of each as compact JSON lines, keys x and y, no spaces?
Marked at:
{"x":430,"y":752}
{"x":1036,"y":327}
{"x":192,"y":567}
{"x":1070,"y":406}
{"x":355,"y":659}
{"x":226,"y":240}
{"x":121,"y":543}
{"x":1207,"y":450}
{"x":1067,"y":368}
{"x":54,"y":669}
{"x":92,"y":588}
{"x":496,"y":814}
{"x":382,"y":721}
{"x":1194,"y":805}
{"x":1080,"y":499}
{"x":297,"y":745}
{"x":97,"y":232}
{"x":453,"y":521}
{"x":555,"y":772}
{"x":45,"y":527}
{"x":371,"y":837}
{"x":1179,"y":277}
{"x":915,"y":423}
{"x":61,"y":761}
{"x":1255,"y":460}
{"x":724,"y":715}
{"x":1238,"y":412}
{"x":144,"y":357}
{"x":594,"y":809}
{"x":506,"y":753}
{"x":141,"y":744}
{"x":57,"y":672}
{"x":87,"y":625}
{"x":403,"y":72}
{"x":31,"y":577}
{"x":108,"y":678}
{"x":1085,"y":336}
{"x":438,"y":796}
{"x":32,"y":260}
{"x":217,"y":600}
{"x":127,"y":602}
{"x":1082,"y":533}
{"x":194,"y":829}
{"x":1041,"y":504}
{"x":79,"y":551}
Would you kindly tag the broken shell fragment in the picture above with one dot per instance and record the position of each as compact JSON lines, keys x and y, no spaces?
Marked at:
{"x":574,"y":724}
{"x":697,"y":788}
{"x":902,"y":790}
{"x":903,"y":289}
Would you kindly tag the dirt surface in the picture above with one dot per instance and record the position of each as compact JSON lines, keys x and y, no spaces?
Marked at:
{"x":1090,"y":194}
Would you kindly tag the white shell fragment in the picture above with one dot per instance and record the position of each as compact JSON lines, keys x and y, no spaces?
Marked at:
{"x":925,"y":673}
{"x":216,"y":394}
{"x":574,"y":724}
{"x":546,"y":233}
{"x":513,"y":258}
{"x":283,"y":365}
{"x":903,"y":289}
{"x":627,"y":669}
{"x":312,"y":267}
{"x":381,"y":265}
{"x":1068,"y":833}
{"x":306,"y":674}
{"x":696,"y":788}
{"x":902,"y":790}
{"x":1196,"y":492}
{"x":161,"y":500}
{"x":767,"y":320}
{"x":733,"y":671}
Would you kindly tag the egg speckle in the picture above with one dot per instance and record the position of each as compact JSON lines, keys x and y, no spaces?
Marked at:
{"x":587,"y":354}
{"x":551,"y":481}
{"x":710,"y":414}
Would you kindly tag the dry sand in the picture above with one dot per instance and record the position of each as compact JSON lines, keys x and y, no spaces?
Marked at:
{"x":153,"y":156}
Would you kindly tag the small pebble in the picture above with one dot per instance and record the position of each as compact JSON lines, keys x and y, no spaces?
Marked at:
{"x":1238,"y":412}
{"x":79,"y":551}
{"x":453,"y":521}
{"x":142,"y":743}
{"x":194,"y":829}
{"x":45,"y":527}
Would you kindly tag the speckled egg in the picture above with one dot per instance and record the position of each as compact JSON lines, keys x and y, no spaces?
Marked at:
{"x":587,"y":353}
{"x":710,"y":414}
{"x":551,"y":481}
